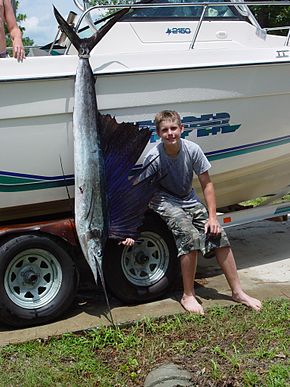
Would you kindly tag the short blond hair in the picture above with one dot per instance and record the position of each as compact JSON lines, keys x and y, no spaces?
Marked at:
{"x":166,"y":115}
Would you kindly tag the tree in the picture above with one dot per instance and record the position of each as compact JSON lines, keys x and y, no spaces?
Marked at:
{"x":110,"y":2}
{"x":272,"y":16}
{"x":19,"y":18}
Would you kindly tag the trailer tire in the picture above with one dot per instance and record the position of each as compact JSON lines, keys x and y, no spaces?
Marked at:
{"x":146,"y":271}
{"x":38,"y":280}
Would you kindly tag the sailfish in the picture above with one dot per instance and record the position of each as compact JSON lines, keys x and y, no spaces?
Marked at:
{"x":108,"y":202}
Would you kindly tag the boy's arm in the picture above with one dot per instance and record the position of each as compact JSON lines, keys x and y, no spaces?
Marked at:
{"x":14,"y":31}
{"x":209,"y":196}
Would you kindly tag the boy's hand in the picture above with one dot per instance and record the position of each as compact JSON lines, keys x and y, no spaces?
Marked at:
{"x":127,"y":242}
{"x":212,"y":226}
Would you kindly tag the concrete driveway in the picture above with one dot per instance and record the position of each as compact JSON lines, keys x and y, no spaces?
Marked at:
{"x":262,"y":252}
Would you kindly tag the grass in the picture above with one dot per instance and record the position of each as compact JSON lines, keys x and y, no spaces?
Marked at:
{"x":260,"y":200}
{"x":230,"y":346}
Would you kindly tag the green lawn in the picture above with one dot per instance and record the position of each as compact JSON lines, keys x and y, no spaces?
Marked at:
{"x":229,"y":346}
{"x":258,"y":201}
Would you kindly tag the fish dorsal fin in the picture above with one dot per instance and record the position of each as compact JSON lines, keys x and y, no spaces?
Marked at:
{"x":124,"y":141}
{"x":128,"y":198}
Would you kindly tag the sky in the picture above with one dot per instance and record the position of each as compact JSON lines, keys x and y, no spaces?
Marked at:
{"x":40,"y":24}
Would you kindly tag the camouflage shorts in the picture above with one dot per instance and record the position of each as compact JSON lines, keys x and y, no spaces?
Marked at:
{"x":187,"y":226}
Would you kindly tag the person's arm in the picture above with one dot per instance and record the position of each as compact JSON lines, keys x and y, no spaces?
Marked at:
{"x":14,"y":31}
{"x":209,"y":196}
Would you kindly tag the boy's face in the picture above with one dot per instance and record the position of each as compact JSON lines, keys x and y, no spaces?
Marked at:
{"x":170,"y":132}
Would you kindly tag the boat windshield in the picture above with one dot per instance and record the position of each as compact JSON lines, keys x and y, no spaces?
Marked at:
{"x":181,"y":12}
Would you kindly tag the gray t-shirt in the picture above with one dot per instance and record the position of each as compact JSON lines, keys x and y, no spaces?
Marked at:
{"x":177,"y":172}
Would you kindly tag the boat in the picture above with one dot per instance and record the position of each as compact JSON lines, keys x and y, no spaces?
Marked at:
{"x":227,"y":77}
{"x":213,"y":63}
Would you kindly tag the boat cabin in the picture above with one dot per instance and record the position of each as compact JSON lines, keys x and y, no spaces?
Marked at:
{"x":162,"y":25}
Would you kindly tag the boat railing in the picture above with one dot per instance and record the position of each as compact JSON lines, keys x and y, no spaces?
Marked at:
{"x":281,"y":28}
{"x":86,"y":6}
{"x":240,"y":5}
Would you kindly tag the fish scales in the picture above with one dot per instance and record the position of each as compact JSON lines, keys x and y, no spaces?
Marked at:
{"x":90,"y":181}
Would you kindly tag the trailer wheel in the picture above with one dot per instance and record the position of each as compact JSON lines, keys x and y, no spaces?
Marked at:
{"x":147,"y":270}
{"x":37,"y":280}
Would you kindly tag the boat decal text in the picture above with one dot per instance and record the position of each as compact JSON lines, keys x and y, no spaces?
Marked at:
{"x":178,"y":30}
{"x":205,"y":125}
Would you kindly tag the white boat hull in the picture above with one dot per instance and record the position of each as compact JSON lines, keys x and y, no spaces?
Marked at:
{"x":237,"y":109}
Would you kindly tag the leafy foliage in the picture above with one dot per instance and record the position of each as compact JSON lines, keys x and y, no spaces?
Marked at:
{"x":111,"y":2}
{"x":272,"y":16}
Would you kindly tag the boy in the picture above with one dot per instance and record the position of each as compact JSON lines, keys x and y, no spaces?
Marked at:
{"x":176,"y":202}
{"x":7,"y":17}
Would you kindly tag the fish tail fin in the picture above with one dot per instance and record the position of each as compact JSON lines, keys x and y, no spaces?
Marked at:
{"x":67,"y":29}
{"x":85,"y":46}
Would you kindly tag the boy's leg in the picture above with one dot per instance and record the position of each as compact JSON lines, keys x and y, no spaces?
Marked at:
{"x":186,"y":237}
{"x":227,"y":263}
{"x":225,"y":259}
{"x":188,"y":270}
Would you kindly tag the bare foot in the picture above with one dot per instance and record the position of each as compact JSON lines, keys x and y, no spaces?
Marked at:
{"x":251,"y":302}
{"x":191,"y":304}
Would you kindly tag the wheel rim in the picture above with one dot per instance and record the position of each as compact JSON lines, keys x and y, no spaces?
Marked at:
{"x":33,"y":278}
{"x":145,"y":263}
